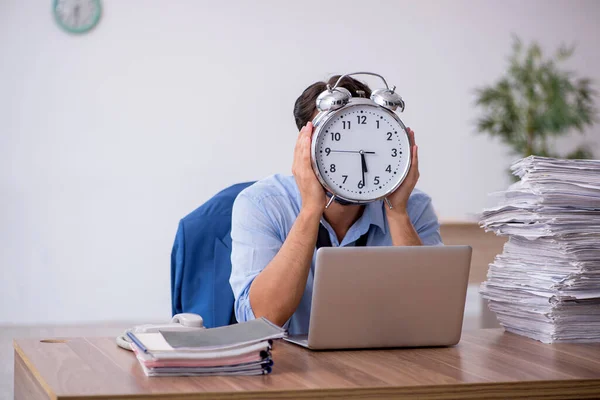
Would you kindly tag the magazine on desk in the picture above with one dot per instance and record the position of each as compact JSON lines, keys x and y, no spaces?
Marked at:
{"x":240,"y":349}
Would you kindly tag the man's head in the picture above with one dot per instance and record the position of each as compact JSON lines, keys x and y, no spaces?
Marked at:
{"x":305,"y":108}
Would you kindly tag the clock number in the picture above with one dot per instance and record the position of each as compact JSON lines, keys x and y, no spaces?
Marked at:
{"x":376,"y":181}
{"x":361,"y":184}
{"x":336,"y":136}
{"x":346,"y":122}
{"x":389,"y":169}
{"x":389,"y":135}
{"x":327,"y":151}
{"x":377,"y":124}
{"x":394,"y":153}
{"x":345,"y":177}
{"x":332,"y":168}
{"x":362,"y":119}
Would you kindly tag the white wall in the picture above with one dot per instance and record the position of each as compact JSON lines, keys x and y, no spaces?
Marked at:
{"x":107,"y":139}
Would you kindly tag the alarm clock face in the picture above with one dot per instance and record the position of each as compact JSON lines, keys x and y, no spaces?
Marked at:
{"x":361,"y":152}
{"x":77,"y":16}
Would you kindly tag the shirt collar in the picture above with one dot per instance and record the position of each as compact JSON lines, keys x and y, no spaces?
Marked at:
{"x":375,"y":215}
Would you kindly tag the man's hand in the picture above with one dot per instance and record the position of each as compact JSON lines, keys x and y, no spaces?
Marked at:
{"x":399,"y":198}
{"x":313,"y":194}
{"x":401,"y":228}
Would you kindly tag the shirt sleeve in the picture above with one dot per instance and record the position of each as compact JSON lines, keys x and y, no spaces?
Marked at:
{"x":425,"y":220}
{"x":255,"y":240}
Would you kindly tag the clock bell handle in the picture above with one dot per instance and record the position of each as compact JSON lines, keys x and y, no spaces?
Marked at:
{"x":359,"y":73}
{"x":389,"y":203}
{"x":331,"y":199}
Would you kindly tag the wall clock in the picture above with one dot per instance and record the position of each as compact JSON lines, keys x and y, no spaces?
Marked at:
{"x":77,"y":16}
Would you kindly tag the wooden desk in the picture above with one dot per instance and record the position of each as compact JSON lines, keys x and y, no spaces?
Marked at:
{"x":486,"y":364}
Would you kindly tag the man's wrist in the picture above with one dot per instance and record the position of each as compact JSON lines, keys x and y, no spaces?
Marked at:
{"x":397,"y":214}
{"x":312,"y":212}
{"x":401,"y":228}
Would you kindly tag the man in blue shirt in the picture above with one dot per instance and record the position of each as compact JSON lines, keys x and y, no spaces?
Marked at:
{"x":275,"y":223}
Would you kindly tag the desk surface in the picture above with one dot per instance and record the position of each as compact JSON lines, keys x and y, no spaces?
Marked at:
{"x":486,"y":363}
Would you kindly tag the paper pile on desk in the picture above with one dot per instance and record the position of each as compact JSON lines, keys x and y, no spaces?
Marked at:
{"x":546,"y":283}
{"x":241,"y":349}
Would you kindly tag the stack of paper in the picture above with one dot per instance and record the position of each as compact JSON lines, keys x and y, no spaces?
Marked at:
{"x":546,"y":283}
{"x":241,"y":349}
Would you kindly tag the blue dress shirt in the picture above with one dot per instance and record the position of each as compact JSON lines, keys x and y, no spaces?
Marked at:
{"x":263,"y":215}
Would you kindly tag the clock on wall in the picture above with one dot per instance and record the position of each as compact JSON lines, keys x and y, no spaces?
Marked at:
{"x":77,"y":16}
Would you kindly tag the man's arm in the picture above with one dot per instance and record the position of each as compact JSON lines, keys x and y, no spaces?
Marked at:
{"x":276,"y":292}
{"x":401,"y":227}
{"x":277,"y":289}
{"x":420,"y":218}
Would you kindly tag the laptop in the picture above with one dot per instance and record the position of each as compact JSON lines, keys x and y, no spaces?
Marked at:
{"x":379,"y":297}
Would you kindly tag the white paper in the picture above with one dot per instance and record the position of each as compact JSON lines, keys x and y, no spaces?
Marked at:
{"x":546,"y":282}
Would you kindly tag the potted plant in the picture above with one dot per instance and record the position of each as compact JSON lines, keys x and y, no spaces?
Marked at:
{"x":535,"y":101}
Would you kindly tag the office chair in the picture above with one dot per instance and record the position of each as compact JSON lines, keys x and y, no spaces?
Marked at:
{"x":201,"y":260}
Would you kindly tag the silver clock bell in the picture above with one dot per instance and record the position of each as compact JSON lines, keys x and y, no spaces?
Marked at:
{"x":388,"y":98}
{"x":332,"y":99}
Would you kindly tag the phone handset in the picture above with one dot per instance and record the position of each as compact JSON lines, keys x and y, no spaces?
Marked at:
{"x":188,"y":319}
{"x":179,"y":322}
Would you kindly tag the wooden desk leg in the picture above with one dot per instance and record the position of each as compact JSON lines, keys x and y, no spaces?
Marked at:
{"x":26,"y":386}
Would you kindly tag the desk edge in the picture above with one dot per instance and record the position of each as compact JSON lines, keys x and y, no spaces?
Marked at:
{"x":36,"y":374}
{"x":500,"y":390}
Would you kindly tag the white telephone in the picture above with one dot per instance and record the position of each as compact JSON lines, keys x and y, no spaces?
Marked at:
{"x":179,"y":322}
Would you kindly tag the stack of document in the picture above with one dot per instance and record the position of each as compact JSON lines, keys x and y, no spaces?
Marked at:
{"x":240,"y":349}
{"x":546,"y":283}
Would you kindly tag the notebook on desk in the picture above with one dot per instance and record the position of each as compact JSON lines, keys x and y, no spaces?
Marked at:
{"x":240,"y":349}
{"x":378,"y":297}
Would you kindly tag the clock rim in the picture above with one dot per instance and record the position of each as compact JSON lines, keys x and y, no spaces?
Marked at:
{"x":83,"y":29}
{"x":325,"y":116}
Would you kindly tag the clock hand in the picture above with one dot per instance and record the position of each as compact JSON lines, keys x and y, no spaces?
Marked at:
{"x":349,"y":151}
{"x":363,"y":165}
{"x":363,"y":162}
{"x":76,"y":14}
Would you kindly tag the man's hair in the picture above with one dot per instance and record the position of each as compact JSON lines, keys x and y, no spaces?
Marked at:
{"x":306,"y":105}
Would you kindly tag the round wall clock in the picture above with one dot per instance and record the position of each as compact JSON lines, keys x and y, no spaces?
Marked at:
{"x":77,"y":16}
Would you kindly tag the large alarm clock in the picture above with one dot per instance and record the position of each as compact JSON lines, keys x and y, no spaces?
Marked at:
{"x":360,"y":147}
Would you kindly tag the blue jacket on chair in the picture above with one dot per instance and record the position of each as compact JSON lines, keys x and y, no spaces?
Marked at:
{"x":201,"y":260}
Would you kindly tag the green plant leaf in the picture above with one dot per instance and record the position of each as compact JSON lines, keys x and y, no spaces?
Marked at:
{"x":581,"y":153}
{"x":536,"y":99}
